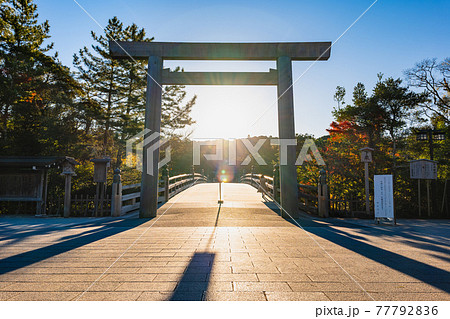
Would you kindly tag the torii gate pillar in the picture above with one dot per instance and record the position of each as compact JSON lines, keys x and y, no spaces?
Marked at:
{"x":150,"y":172}
{"x":286,"y":129}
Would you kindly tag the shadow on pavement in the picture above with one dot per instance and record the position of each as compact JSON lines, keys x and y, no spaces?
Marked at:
{"x":426,"y":273}
{"x":107,"y":229}
{"x":195,"y":280}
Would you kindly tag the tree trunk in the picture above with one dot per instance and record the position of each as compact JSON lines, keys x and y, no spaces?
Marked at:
{"x":108,"y":112}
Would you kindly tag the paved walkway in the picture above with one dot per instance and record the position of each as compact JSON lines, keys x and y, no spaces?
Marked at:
{"x":243,"y":250}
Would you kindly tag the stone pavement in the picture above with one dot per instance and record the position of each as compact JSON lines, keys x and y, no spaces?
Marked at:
{"x":243,"y":250}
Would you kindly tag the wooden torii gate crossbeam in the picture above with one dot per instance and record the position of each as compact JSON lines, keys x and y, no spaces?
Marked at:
{"x":282,"y":53}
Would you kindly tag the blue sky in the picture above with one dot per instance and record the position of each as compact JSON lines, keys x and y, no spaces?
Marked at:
{"x":391,"y":37}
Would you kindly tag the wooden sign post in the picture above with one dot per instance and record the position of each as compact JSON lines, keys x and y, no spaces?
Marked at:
{"x":366,"y":158}
{"x":68,"y":172}
{"x":427,"y":170}
{"x":100,"y":173}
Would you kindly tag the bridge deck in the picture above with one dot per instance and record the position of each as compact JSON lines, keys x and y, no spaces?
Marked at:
{"x":244,"y":251}
{"x":197,"y":207}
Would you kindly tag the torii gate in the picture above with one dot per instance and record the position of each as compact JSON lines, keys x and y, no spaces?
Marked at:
{"x":282,"y":53}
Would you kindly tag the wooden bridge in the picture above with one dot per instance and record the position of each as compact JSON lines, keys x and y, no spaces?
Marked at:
{"x":126,"y":198}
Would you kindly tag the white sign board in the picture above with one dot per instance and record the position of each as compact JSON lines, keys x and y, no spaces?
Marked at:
{"x":423,"y":169}
{"x":384,"y":196}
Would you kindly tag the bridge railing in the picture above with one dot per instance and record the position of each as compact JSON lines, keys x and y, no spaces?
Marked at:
{"x":177,"y":184}
{"x":126,"y":198}
{"x":308,"y":198}
{"x":254,"y":180}
{"x":312,"y":199}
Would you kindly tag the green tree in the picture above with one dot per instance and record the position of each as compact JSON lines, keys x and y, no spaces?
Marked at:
{"x":365,"y":113}
{"x":339,"y":96}
{"x":36,"y":90}
{"x":100,"y":76}
{"x":175,"y":113}
{"x":114,"y":92}
{"x":397,"y":103}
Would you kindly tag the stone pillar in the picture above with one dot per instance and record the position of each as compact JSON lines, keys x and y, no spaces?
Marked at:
{"x":116,"y":196}
{"x":45,"y":194}
{"x":286,"y":129}
{"x":67,"y":193}
{"x":150,"y":178}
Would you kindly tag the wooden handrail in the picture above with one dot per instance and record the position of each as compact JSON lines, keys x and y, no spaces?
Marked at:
{"x":125,"y":187}
{"x":176,"y":184}
{"x":307,"y":201}
{"x":179,"y":176}
{"x":311,"y":187}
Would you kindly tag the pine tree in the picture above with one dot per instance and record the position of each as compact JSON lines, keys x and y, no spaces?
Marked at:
{"x":134,"y":88}
{"x":175,"y":113}
{"x":100,"y":74}
{"x":397,"y":103}
{"x":116,"y":89}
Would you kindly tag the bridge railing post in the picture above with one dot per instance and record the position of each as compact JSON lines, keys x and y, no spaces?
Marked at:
{"x":275,"y":182}
{"x":165,"y":174}
{"x":116,"y":197}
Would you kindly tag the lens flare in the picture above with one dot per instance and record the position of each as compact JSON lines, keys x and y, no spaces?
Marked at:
{"x":225,"y":174}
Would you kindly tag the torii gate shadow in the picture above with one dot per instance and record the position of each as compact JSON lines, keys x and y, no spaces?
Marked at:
{"x":195,"y":281}
{"x":426,"y":273}
{"x":107,"y":229}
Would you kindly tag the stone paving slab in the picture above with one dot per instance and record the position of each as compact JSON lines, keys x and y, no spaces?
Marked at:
{"x":234,"y":296}
{"x":296,"y":296}
{"x":242,"y":250}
